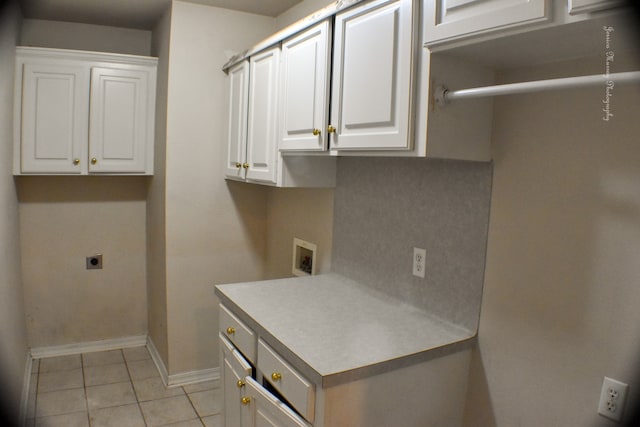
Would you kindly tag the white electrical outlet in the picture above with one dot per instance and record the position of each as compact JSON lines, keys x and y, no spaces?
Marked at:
{"x":612,"y":397}
{"x":419,"y":262}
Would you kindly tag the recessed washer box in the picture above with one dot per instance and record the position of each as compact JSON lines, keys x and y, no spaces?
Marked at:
{"x":304,"y":258}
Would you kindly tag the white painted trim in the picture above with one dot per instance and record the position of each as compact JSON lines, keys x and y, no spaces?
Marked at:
{"x":157,"y":360}
{"x":193,"y":377}
{"x":26,"y":384}
{"x":183,"y":378}
{"x":89,"y":346}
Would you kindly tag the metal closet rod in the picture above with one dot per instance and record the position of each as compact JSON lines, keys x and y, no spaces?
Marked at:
{"x":443,"y":95}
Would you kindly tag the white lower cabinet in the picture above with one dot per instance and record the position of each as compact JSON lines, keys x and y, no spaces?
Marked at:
{"x":268,"y":389}
{"x":83,"y":112}
{"x":265,"y":410}
{"x":235,"y":370}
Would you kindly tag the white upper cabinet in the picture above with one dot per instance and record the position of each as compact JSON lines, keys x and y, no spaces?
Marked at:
{"x":238,"y":102}
{"x":583,"y":6}
{"x":120,"y":104}
{"x":372,"y":77}
{"x":262,"y":119}
{"x":83,"y":112}
{"x":53,"y":129}
{"x":452,"y":19}
{"x":304,"y":90}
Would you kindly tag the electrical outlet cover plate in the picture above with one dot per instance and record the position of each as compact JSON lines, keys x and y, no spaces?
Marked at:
{"x":612,"y":397}
{"x":419,"y":262}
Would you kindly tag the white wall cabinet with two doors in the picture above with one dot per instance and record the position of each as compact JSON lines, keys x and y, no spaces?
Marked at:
{"x":81,"y":113}
{"x":252,"y":139}
{"x":371,"y":81}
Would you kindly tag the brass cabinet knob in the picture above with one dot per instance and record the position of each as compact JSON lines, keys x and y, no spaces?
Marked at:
{"x":231,"y":330}
{"x":240,"y":383}
{"x":76,"y":161}
{"x":238,"y":165}
{"x":245,"y":400}
{"x":94,"y":160}
{"x":276,"y":376}
{"x":245,"y":165}
{"x":316,"y":132}
{"x":331,"y":129}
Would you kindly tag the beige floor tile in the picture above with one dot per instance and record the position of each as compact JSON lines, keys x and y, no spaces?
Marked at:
{"x":60,"y":402}
{"x":153,"y":388}
{"x":60,"y":363}
{"x":213,"y":421}
{"x":76,"y":419}
{"x":140,"y":369}
{"x":60,"y":380}
{"x":107,"y":374}
{"x":107,"y":395}
{"x":118,"y":416}
{"x":100,"y":358}
{"x":166,"y":411}
{"x":136,"y":353}
{"x":208,"y":402}
{"x":191,"y":423}
{"x":205,"y":385}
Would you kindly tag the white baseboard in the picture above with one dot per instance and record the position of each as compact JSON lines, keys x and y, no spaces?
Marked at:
{"x":193,"y":377}
{"x":26,"y":384}
{"x":89,"y":346}
{"x":183,"y":378}
{"x":157,"y":360}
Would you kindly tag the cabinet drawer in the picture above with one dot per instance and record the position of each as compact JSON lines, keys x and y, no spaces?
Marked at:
{"x":238,"y":333}
{"x":266,"y":410}
{"x":298,"y":391}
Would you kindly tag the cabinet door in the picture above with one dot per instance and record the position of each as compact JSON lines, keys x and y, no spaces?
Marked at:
{"x":583,"y":6}
{"x":265,"y":410}
{"x":304,"y":92}
{"x":234,"y":371}
{"x":237,"y":120}
{"x":451,"y":19}
{"x":119,"y":131}
{"x":262,"y":126}
{"x":54,"y":120}
{"x":372,"y":76}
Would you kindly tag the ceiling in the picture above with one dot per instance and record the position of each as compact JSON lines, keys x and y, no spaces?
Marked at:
{"x":140,"y":14}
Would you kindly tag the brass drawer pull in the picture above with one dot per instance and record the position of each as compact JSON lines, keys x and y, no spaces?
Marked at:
{"x":245,"y":400}
{"x":276,"y":376}
{"x":240,"y":383}
{"x":231,"y":330}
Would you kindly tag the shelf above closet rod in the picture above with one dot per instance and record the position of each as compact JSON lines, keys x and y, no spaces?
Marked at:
{"x":443,"y":95}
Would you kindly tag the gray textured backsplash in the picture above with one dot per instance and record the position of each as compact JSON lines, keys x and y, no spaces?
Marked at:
{"x":384,"y":207}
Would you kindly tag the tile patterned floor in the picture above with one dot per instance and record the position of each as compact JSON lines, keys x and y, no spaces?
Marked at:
{"x":117,"y":388}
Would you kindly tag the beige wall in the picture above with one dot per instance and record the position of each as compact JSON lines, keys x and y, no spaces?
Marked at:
{"x":70,"y":35}
{"x":65,"y":219}
{"x":13,"y":336}
{"x":561,"y":295}
{"x":303,"y":213}
{"x":155,"y":215}
{"x":299,"y":11}
{"x":214,"y":229}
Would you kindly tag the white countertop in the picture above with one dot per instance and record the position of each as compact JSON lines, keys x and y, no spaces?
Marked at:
{"x":335,"y":330}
